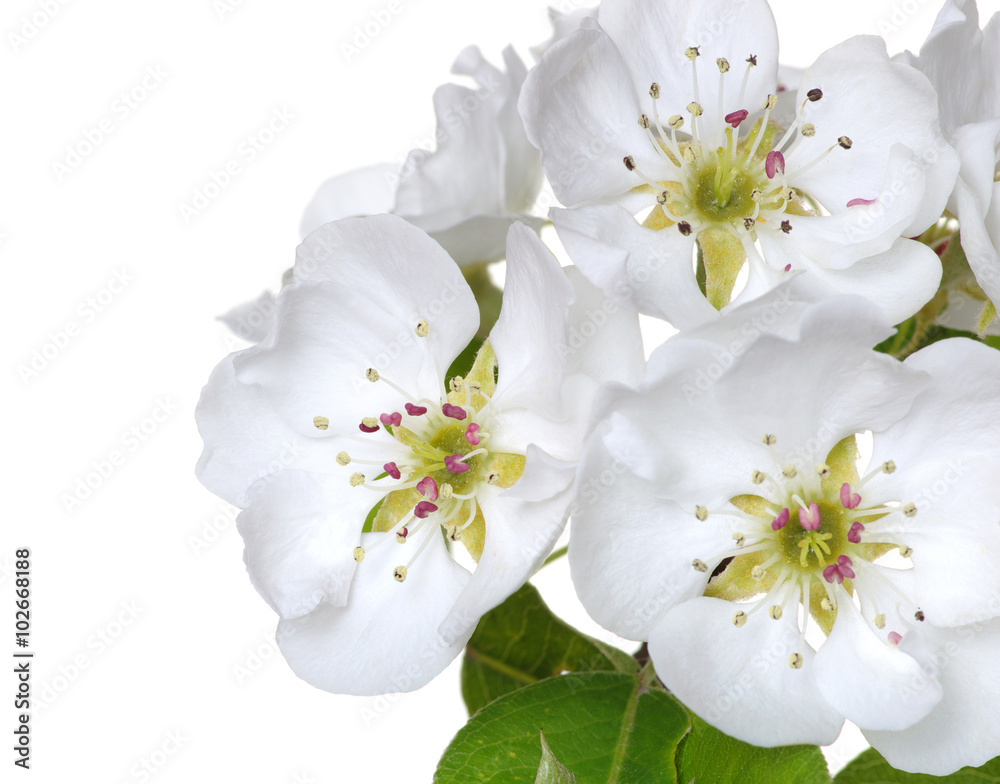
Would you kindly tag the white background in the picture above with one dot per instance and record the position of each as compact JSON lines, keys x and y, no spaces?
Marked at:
{"x":144,"y":624}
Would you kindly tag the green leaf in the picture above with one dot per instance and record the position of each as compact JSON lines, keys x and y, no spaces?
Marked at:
{"x":521,"y":642}
{"x":551,"y":770}
{"x":870,"y":768}
{"x":707,"y":755}
{"x":605,"y":727}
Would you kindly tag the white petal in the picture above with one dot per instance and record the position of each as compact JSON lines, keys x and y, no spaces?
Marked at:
{"x":899,"y":281}
{"x":738,"y":678}
{"x":299,"y":533}
{"x":849,"y":234}
{"x":481,"y":238}
{"x":520,"y":532}
{"x":246,"y":440}
{"x":693,"y":433}
{"x":868,"y":681}
{"x":977,"y":202}
{"x":946,"y":451}
{"x":385,"y":639}
{"x":251,"y":320}
{"x":367,"y":191}
{"x":649,"y":271}
{"x":581,"y":111}
{"x":654,"y":36}
{"x":604,"y":340}
{"x":951,"y":59}
{"x":630,"y":552}
{"x":876,"y":103}
{"x":529,"y":337}
{"x":962,"y":728}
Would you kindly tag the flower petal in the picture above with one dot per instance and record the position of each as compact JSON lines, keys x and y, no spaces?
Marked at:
{"x":876,"y":103}
{"x":367,"y":191}
{"x":868,"y":681}
{"x":246,"y":440}
{"x":738,"y":678}
{"x":649,"y":271}
{"x":299,"y":533}
{"x":580,"y":109}
{"x":653,"y":37}
{"x":385,"y":639}
{"x":534,"y":313}
{"x":630,"y":552}
{"x":962,"y":728}
{"x":522,"y":524}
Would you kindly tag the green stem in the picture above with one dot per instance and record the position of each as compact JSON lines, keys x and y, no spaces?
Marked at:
{"x":555,"y":555}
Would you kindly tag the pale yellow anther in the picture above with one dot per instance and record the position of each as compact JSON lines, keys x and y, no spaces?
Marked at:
{"x":662,"y":197}
{"x":769,"y":439}
{"x":446,"y":490}
{"x":771,"y":102}
{"x":457,"y":384}
{"x":910,"y":510}
{"x":775,"y":612}
{"x":676,"y":122}
{"x":475,"y":387}
{"x":699,"y":565}
{"x":399,"y":574}
{"x":808,"y":130}
{"x":740,"y":539}
{"x":452,"y":532}
{"x":888,"y":467}
{"x":321,"y":423}
{"x":359,"y":554}
{"x":371,"y":374}
{"x":370,"y":422}
{"x":905,"y":552}
{"x":757,"y":195}
{"x":880,"y":621}
{"x":493,"y":478}
{"x":701,"y":513}
{"x":401,"y":536}
{"x":695,"y":109}
{"x":739,"y":618}
{"x":692,"y":52}
{"x":654,"y":91}
{"x":722,"y":63}
{"x":757,"y":572}
{"x":688,"y":154}
{"x":823,"y":470}
{"x":759,"y":477}
{"x":357,"y":479}
{"x":422,"y":329}
{"x":845,"y":142}
{"x":343,"y":458}
{"x":827,"y":605}
{"x":643,"y":121}
{"x":795,"y":661}
{"x":789,"y":472}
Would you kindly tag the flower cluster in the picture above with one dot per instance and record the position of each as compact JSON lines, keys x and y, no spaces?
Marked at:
{"x":803,"y":515}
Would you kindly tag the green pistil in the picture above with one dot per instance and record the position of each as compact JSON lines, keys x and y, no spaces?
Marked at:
{"x":816,"y":543}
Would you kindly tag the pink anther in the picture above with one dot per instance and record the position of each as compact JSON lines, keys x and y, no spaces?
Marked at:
{"x":413,"y":410}
{"x":774,"y":164}
{"x":781,"y":520}
{"x":854,"y":535}
{"x":735,"y":118}
{"x":856,"y":202}
{"x":428,"y":487}
{"x":393,"y":419}
{"x":454,"y":464}
{"x":472,"y":434}
{"x":847,"y":498}
{"x":392,"y":470}
{"x":455,"y":412}
{"x":810,"y":518}
{"x":895,"y":638}
{"x":423,"y":509}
